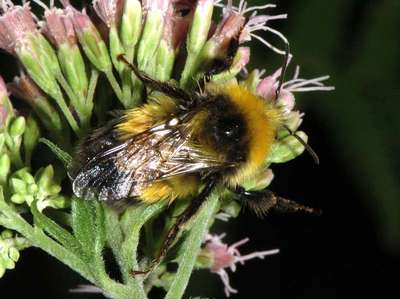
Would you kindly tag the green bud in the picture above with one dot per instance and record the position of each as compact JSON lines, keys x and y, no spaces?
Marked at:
{"x":241,"y":58}
{"x":116,"y":48}
{"x":200,"y":27}
{"x":95,"y":49}
{"x":13,"y":253}
{"x":261,"y":181}
{"x":150,"y":39}
{"x":2,"y":141}
{"x":205,"y":259}
{"x":44,"y":177}
{"x":287,"y":148}
{"x":9,"y":250}
{"x":293,"y":121}
{"x":6,"y":234}
{"x":131,"y":26}
{"x":31,"y":138}
{"x":18,"y":198}
{"x":24,"y":174}
{"x":18,"y":186}
{"x":56,"y":202}
{"x":17,"y":127}
{"x":73,"y":67}
{"x":41,"y":64}
{"x":5,"y":164}
{"x":165,"y":59}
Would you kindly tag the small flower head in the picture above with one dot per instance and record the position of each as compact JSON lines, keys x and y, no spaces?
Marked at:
{"x":224,"y":256}
{"x":16,"y":23}
{"x":109,"y":11}
{"x":89,"y":38}
{"x":254,"y":22}
{"x":268,"y":86}
{"x":178,"y":19}
{"x":58,"y":28}
{"x":24,"y":88}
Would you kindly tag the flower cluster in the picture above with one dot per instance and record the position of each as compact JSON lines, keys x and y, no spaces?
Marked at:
{"x":70,"y":77}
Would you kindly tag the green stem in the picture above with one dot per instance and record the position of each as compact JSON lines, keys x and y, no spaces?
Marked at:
{"x":12,"y":220}
{"x":115,"y":86}
{"x":67,"y":113}
{"x":92,"y":85}
{"x":82,"y":108}
{"x":192,"y":248}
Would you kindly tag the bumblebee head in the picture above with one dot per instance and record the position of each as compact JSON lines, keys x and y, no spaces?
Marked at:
{"x":239,"y":127}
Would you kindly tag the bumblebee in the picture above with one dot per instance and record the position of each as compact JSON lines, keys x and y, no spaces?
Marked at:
{"x":182,"y":144}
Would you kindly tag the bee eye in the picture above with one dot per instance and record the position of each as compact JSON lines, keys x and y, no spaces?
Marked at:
{"x":227,"y":129}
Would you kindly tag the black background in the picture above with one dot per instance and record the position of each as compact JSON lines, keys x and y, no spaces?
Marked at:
{"x":353,"y":249}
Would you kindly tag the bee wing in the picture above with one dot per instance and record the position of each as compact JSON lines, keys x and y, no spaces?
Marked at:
{"x":110,"y":169}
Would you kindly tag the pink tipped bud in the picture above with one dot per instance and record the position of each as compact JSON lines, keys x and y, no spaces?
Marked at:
{"x":58,"y":28}
{"x":286,"y":100}
{"x":6,"y":108}
{"x":177,"y":22}
{"x":228,"y":29}
{"x":3,"y":88}
{"x":156,"y":5}
{"x":109,"y":11}
{"x":24,"y":88}
{"x":15,"y":23}
{"x":266,"y":88}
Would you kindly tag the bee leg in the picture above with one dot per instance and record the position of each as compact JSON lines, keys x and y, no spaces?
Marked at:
{"x":189,"y":212}
{"x":164,"y":87}
{"x":261,"y":202}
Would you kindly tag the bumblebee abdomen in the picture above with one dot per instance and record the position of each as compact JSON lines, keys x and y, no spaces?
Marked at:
{"x":171,"y":189}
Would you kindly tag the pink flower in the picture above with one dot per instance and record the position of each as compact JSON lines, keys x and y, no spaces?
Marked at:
{"x":268,"y":86}
{"x":254,"y":22}
{"x":109,"y":11}
{"x":179,"y":17}
{"x":24,"y":88}
{"x":224,"y":256}
{"x":58,"y":28}
{"x":16,"y":23}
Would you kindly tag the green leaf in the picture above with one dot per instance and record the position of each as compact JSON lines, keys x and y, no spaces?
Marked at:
{"x":192,"y":247}
{"x":55,"y":231}
{"x":63,"y":156}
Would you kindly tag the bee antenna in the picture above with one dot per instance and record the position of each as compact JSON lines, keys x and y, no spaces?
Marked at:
{"x":284,"y":67}
{"x":309,"y":149}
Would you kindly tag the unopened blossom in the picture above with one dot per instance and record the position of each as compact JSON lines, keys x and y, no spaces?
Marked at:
{"x":24,"y":88}
{"x":58,"y":28}
{"x":109,"y":11}
{"x":89,"y":38}
{"x":16,"y":24}
{"x":255,"y":22}
{"x":224,"y":257}
{"x":6,"y":108}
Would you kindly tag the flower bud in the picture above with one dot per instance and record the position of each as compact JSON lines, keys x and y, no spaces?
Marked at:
{"x":24,"y":88}
{"x":10,"y":246}
{"x":90,"y":39}
{"x":6,"y":109}
{"x":156,"y":12}
{"x":131,"y":25}
{"x":287,"y":148}
{"x":17,"y":127}
{"x":5,"y":165}
{"x":31,"y":138}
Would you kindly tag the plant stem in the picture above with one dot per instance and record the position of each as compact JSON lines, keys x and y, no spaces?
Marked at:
{"x":38,"y":238}
{"x":115,"y":86}
{"x":192,"y":248}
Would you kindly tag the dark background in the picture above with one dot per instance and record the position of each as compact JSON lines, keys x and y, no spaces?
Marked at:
{"x":353,"y":249}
